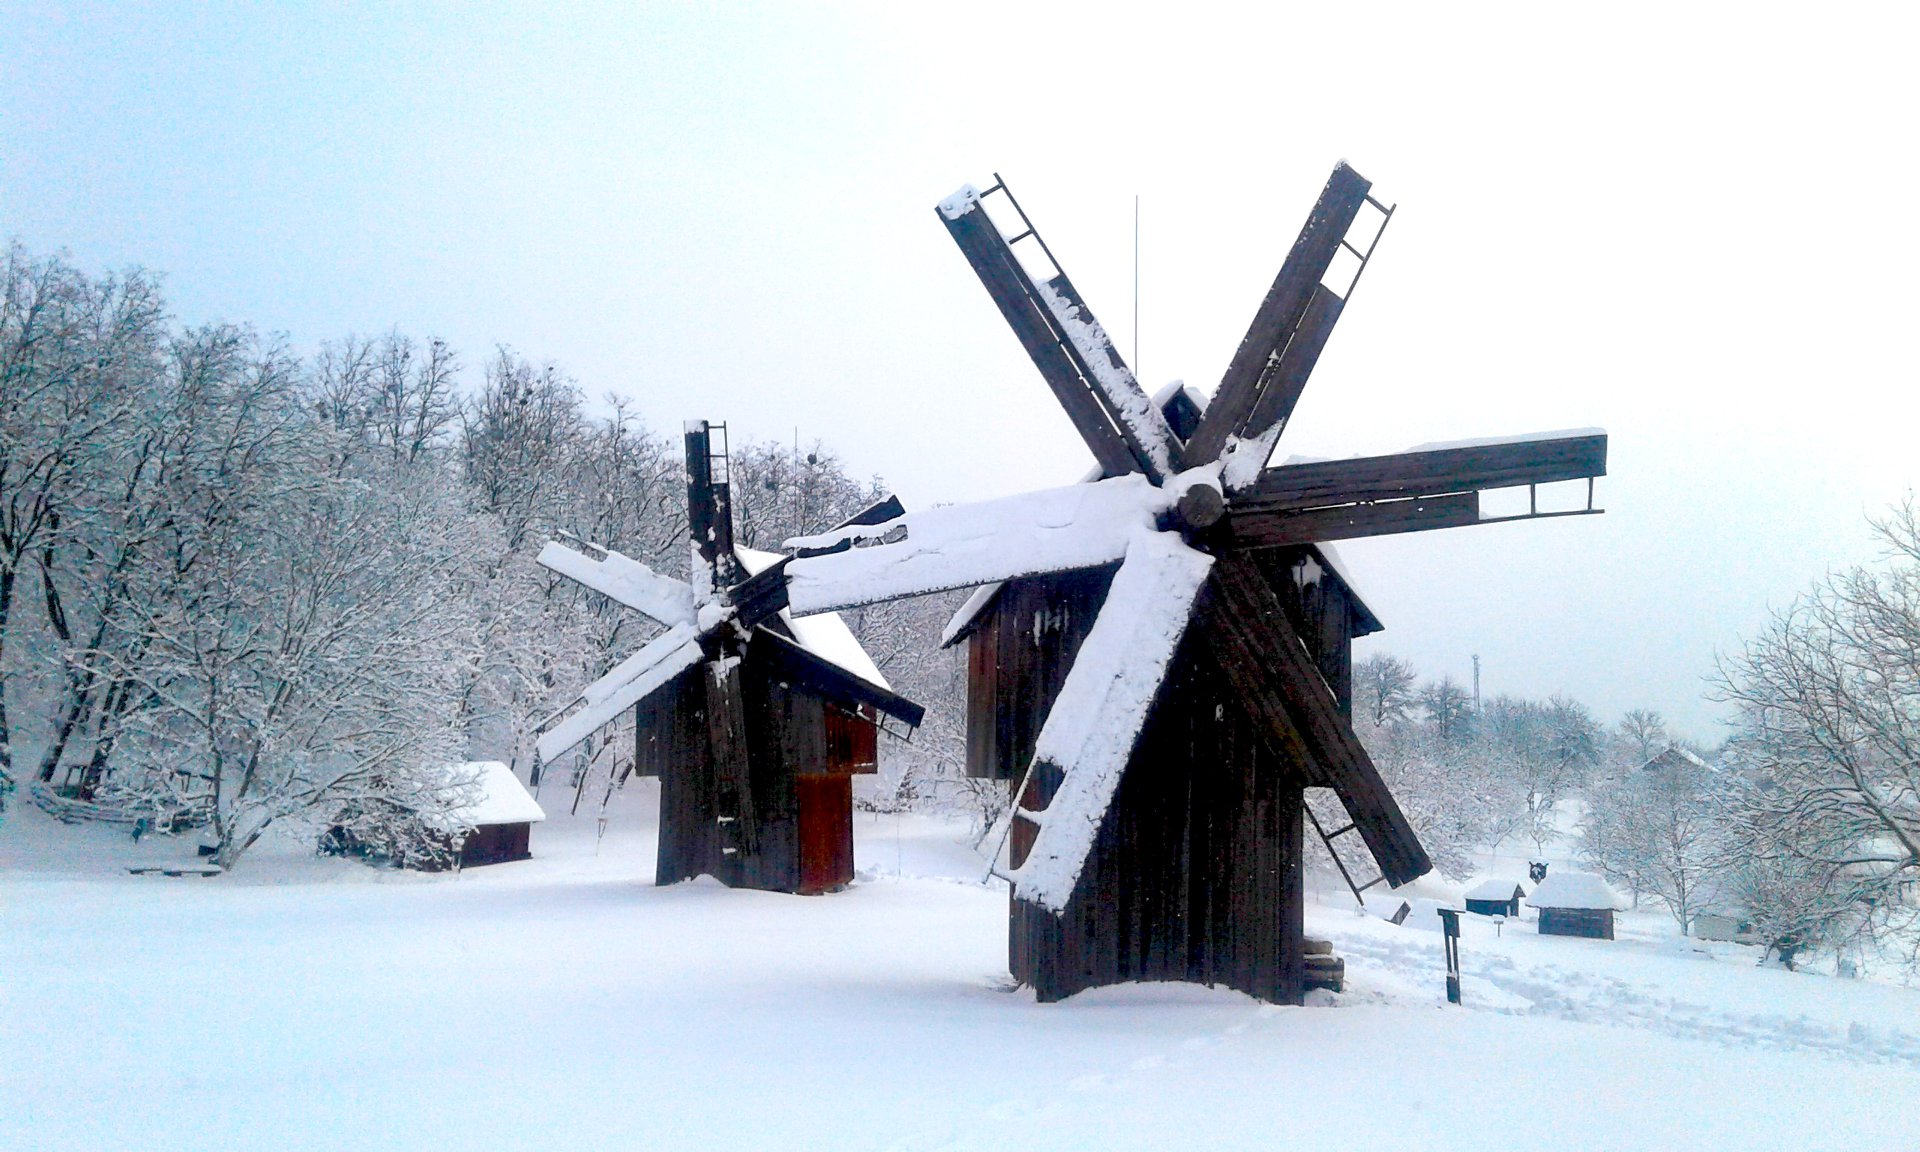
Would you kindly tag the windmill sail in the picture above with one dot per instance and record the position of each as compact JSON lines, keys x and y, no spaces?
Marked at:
{"x":1095,"y":722}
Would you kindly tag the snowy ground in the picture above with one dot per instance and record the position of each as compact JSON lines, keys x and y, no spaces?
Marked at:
{"x":566,"y":1003}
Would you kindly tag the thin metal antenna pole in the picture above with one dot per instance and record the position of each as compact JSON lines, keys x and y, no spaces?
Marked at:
{"x":1136,"y":285}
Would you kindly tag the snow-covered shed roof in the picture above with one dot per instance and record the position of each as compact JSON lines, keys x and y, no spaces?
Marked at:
{"x":1495,"y":888}
{"x":824,"y":634}
{"x":499,"y":797}
{"x":1575,"y":890}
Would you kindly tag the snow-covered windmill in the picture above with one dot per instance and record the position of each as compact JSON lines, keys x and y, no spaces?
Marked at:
{"x":1161,"y":656}
{"x":754,"y":721}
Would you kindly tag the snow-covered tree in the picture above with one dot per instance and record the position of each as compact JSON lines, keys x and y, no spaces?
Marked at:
{"x":1659,"y":830}
{"x":1828,"y":734}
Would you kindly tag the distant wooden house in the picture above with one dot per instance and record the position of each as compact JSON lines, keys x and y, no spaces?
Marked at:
{"x":497,"y":825}
{"x":492,"y":824}
{"x":1575,"y":904}
{"x":1496,"y":897}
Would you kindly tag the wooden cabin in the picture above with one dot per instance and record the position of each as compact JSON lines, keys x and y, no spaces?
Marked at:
{"x":813,"y":705}
{"x":497,"y":826}
{"x":1576,"y":904}
{"x":1496,"y":898}
{"x":1204,"y":835}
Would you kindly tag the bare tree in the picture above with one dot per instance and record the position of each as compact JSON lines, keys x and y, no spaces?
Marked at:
{"x":1660,"y":831}
{"x":1383,"y":690}
{"x":1828,"y":730}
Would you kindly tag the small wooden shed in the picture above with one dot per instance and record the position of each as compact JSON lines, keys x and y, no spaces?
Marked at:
{"x":1496,"y":897}
{"x":497,"y":824}
{"x":1576,"y":904}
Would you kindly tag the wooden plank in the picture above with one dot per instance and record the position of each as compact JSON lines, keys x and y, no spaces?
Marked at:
{"x":1279,"y":313}
{"x":1143,"y":427}
{"x":986,"y":250}
{"x":727,"y":740}
{"x":1276,"y":678}
{"x":1438,"y":472}
{"x":709,"y":515}
{"x":761,"y":596}
{"x":1268,"y":529}
{"x":1281,"y":386}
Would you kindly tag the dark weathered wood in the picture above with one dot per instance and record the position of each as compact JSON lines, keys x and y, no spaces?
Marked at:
{"x":1117,"y":391}
{"x":1270,"y":667}
{"x":1592,"y":923}
{"x":709,"y":512}
{"x":1279,"y":313}
{"x":1438,"y":472}
{"x":1195,"y":872}
{"x":761,"y":596}
{"x":1281,"y":385}
{"x":729,"y":753}
{"x":1259,"y":528}
{"x":1018,"y":658}
{"x":1200,"y":507}
{"x":998,"y":269}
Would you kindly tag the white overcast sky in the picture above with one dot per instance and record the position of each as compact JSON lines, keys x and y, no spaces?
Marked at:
{"x":1689,"y":225}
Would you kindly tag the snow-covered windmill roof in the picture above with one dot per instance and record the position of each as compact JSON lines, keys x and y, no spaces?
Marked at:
{"x":1494,"y":889}
{"x":1575,"y":890}
{"x":824,"y":634}
{"x":499,"y":797}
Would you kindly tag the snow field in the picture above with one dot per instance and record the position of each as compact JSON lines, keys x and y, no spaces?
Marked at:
{"x":564,"y":1002}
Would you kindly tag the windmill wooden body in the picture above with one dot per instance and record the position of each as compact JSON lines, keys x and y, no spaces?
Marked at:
{"x":755,"y":722}
{"x":1159,"y":658}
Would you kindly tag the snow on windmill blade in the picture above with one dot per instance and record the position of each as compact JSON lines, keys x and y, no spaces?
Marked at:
{"x":624,"y":580}
{"x":1097,"y":718}
{"x":963,"y":545}
{"x":633,"y":679}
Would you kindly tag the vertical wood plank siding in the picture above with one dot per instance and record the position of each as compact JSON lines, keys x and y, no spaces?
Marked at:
{"x":1196,"y":872}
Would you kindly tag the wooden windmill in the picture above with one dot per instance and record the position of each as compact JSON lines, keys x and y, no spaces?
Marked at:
{"x":1160,"y":657}
{"x":755,"y":722}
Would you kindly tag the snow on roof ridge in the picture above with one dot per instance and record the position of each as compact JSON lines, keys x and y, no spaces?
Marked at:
{"x":500,"y":798}
{"x":1575,"y":890}
{"x":824,"y":634}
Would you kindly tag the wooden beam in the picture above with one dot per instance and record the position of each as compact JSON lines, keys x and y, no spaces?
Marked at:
{"x":709,"y":516}
{"x":727,"y":744}
{"x":994,"y":263}
{"x":1268,"y":665}
{"x":1441,"y":471}
{"x":761,"y":595}
{"x":1280,"y":391}
{"x":1279,"y":313}
{"x":1263,"y":528}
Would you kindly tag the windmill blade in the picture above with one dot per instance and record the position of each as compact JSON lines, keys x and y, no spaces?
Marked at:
{"x":666,"y":656}
{"x":709,"y":517}
{"x":1279,"y":316}
{"x":1433,"y":486}
{"x":1070,"y":348}
{"x":624,"y":580}
{"x":963,"y":545}
{"x":1266,"y":662}
{"x":1096,"y":720}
